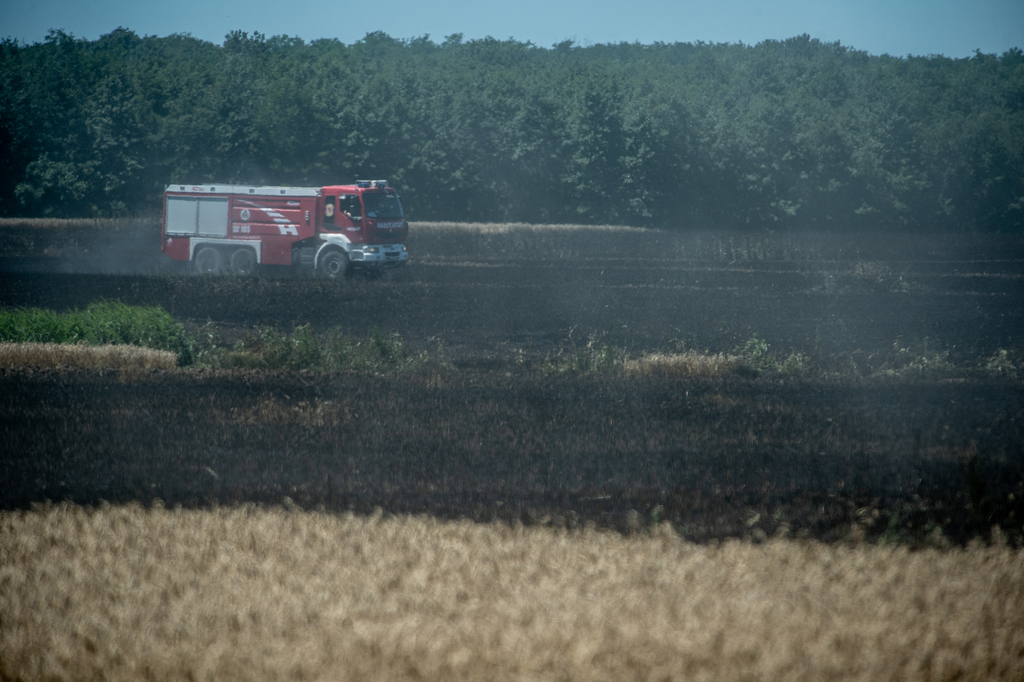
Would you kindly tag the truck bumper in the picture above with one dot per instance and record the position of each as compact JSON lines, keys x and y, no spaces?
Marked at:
{"x":378,"y":256}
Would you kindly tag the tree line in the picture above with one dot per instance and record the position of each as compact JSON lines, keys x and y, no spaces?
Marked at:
{"x":786,"y":134}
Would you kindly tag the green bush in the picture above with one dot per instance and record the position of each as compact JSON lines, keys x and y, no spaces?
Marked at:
{"x":755,"y":352}
{"x":105,"y":322}
{"x":1003,"y":363}
{"x":917,"y":361}
{"x":304,"y":349}
{"x":596,"y":357}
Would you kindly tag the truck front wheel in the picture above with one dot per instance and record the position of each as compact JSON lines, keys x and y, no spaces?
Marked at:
{"x":333,"y":265}
{"x":209,"y":262}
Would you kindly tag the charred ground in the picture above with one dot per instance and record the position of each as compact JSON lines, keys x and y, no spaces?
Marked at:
{"x":495,"y":437}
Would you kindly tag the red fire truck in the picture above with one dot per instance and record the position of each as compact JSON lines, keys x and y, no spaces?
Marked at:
{"x":327,"y":230}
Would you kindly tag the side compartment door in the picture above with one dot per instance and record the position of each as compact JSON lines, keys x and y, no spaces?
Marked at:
{"x":197,"y":216}
{"x":181,"y":216}
{"x":212,"y":217}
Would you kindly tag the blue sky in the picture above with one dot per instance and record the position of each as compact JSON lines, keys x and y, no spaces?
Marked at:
{"x":954,"y":28}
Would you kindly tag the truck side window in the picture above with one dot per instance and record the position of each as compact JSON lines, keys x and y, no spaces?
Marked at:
{"x":350,"y":207}
{"x":328,"y":210}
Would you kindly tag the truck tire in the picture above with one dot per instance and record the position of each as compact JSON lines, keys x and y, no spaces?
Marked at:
{"x":332,"y":265}
{"x":209,"y":262}
{"x":243,"y":262}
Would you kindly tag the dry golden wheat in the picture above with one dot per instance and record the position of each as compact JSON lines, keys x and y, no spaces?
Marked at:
{"x":105,"y":224}
{"x":55,"y":223}
{"x":243,"y":593}
{"x":499,"y":228}
{"x":688,"y":364}
{"x":53,"y":355}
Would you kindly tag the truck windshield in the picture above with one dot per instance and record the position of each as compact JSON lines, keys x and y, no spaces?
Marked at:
{"x":382,"y":205}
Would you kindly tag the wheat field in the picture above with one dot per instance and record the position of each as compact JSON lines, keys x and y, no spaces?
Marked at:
{"x":107,"y":356}
{"x":686,"y":364}
{"x":505,"y":228}
{"x":249,"y":593}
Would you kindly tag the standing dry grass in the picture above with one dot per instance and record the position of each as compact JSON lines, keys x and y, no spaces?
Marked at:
{"x":245,"y":593}
{"x":65,"y":223}
{"x":54,"y":355}
{"x":504,"y":228}
{"x":686,"y":364}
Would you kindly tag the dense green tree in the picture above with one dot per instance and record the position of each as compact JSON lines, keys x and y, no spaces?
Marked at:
{"x":786,"y":134}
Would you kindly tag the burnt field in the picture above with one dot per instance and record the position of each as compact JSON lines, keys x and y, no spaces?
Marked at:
{"x":488,"y":434}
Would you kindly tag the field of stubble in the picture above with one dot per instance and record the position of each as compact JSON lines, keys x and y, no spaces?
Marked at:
{"x":850,"y":459}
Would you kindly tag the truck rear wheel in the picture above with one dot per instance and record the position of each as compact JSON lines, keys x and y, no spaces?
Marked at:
{"x":209,"y":262}
{"x":243,"y":262}
{"x":333,"y":265}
